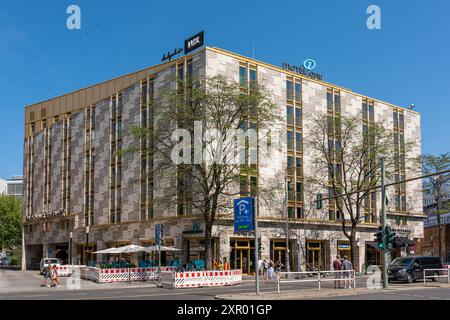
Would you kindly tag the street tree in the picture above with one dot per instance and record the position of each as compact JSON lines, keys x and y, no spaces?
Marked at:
{"x":10,"y":221}
{"x":347,"y":159}
{"x":434,"y":164}
{"x":196,"y":135}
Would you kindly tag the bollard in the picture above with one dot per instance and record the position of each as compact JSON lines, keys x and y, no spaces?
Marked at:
{"x":318,"y":277}
{"x":424,"y":277}
{"x":354,"y":279}
{"x":278,"y":285}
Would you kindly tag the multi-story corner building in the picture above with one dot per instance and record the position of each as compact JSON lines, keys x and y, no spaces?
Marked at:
{"x":76,"y":184}
{"x":12,"y":187}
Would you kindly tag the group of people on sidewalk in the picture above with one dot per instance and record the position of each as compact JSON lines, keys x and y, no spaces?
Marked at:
{"x":268,"y":268}
{"x":51,"y":274}
{"x":342,"y":268}
{"x":221,"y":265}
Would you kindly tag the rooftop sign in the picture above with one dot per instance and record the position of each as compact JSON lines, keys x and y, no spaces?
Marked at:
{"x":302,"y":70}
{"x":194,"y":42}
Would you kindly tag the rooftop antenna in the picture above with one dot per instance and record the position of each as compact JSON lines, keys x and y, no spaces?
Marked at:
{"x":253,"y":46}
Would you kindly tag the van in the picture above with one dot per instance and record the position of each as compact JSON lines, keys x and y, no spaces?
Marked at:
{"x":410,"y":269}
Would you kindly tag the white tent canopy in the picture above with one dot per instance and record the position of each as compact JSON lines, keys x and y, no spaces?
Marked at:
{"x":126,"y":249}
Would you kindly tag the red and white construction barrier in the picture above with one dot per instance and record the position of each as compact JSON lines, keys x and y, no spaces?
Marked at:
{"x":133,"y":274}
{"x":205,"y":279}
{"x":64,"y":271}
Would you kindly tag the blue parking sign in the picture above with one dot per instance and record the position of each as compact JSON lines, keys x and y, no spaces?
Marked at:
{"x":243,"y":215}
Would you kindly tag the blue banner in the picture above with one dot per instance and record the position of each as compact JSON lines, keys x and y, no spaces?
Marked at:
{"x":243,"y":215}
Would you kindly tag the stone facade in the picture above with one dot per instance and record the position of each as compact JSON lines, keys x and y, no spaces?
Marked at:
{"x":185,"y":232}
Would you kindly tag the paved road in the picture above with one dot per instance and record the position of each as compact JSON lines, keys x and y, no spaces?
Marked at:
{"x":16,"y":285}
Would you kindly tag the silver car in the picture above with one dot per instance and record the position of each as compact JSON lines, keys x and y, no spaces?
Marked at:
{"x":46,"y":262}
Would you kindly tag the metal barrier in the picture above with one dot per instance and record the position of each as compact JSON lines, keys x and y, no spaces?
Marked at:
{"x":436,"y":274}
{"x":338,"y":276}
{"x":167,"y":279}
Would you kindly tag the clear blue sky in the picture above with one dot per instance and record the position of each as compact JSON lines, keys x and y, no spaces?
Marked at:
{"x":405,"y":62}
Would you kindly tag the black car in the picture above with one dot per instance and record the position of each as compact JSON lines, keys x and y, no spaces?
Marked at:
{"x":410,"y":269}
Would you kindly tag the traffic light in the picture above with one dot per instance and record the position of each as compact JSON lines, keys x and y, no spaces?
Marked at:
{"x":379,"y":237}
{"x":319,"y":201}
{"x":390,"y":237}
{"x":259,"y":247}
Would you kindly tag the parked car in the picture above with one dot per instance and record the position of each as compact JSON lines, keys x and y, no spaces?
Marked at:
{"x":4,"y":261}
{"x":46,"y":262}
{"x":410,"y":269}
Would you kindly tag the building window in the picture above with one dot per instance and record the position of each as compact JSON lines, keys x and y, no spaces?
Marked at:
{"x":337,"y":103}
{"x":290,"y":212}
{"x":243,"y":76}
{"x":298,"y":141}
{"x":298,"y":117}
{"x":330,"y":101}
{"x":288,"y":89}
{"x":298,"y":92}
{"x":290,"y":140}
{"x":300,"y":213}
{"x":289,"y":115}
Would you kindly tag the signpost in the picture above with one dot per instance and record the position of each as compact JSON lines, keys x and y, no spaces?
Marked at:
{"x":159,"y":234}
{"x":246,"y":220}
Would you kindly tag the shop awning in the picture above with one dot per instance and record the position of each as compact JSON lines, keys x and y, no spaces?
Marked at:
{"x":373,"y":244}
{"x":403,"y":242}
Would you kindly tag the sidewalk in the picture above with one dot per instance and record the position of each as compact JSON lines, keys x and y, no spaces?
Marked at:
{"x":30,"y":281}
{"x":324,"y":293}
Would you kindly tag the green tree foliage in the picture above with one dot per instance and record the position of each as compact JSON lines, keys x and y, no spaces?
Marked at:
{"x":435,"y":164}
{"x":10,"y":221}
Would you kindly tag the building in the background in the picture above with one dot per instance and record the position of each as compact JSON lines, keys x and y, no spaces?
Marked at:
{"x":429,"y":245}
{"x":12,"y":187}
{"x":77,"y":187}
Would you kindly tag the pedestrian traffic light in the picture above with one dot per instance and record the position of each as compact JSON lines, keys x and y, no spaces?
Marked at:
{"x":319,"y":201}
{"x":379,"y":237}
{"x":390,"y":237}
{"x":259,"y":247}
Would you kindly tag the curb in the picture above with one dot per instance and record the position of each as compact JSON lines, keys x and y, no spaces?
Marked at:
{"x":315,"y":294}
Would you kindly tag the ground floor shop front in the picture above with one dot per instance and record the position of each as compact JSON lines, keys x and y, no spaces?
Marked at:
{"x":305,"y":250}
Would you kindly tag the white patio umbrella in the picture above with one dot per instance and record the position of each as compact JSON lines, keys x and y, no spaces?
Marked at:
{"x":162,"y":248}
{"x":105,"y":251}
{"x":132,"y":248}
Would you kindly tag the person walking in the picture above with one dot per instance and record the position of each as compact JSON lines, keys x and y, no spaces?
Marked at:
{"x":55,"y":277}
{"x":47,"y":275}
{"x":270,"y":274}
{"x":337,"y":267}
{"x":346,"y":267}
{"x":265,"y":266}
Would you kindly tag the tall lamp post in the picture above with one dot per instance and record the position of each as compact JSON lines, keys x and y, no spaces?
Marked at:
{"x":70,"y":247}
{"x":87,"y":244}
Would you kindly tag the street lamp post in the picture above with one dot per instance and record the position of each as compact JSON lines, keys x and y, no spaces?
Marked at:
{"x":70,"y":247}
{"x":87,"y":244}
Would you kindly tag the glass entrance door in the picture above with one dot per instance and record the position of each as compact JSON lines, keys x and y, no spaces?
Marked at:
{"x":242,"y":255}
{"x":317,"y":255}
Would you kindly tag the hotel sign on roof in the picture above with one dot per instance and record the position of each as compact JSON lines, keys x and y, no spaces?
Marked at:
{"x":302,"y":70}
